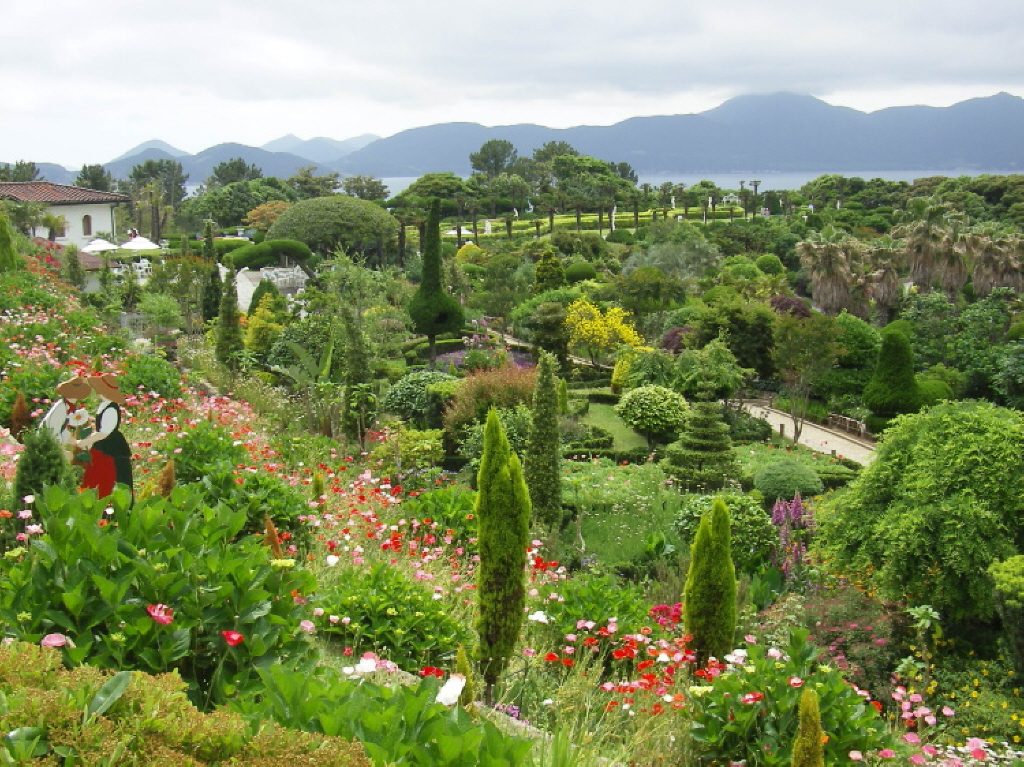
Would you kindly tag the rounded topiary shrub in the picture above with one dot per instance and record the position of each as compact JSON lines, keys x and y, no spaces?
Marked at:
{"x":785,"y":478}
{"x":769,"y":263}
{"x":933,"y":391}
{"x":654,"y":411}
{"x":621,"y":236}
{"x":578,"y":271}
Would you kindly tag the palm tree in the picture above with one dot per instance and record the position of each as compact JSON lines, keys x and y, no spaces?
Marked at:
{"x":926,"y":224}
{"x":827,"y":256}
{"x":884,"y":256}
{"x":996,"y":258}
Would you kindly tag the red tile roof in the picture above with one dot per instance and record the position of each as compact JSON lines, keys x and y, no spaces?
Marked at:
{"x":55,"y":194}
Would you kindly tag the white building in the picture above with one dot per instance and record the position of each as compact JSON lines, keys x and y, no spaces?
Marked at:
{"x":85,"y":211}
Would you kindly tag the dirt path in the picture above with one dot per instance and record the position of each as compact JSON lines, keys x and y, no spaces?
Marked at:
{"x":816,"y":437}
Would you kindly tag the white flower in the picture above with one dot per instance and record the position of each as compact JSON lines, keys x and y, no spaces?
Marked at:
{"x":79,"y":417}
{"x":449,"y":694}
{"x":538,"y":616}
{"x":366,"y":665}
{"x":332,"y":560}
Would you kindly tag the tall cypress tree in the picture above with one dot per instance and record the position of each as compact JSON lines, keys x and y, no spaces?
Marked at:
{"x":209,"y":251}
{"x":543,"y":447}
{"x":809,"y":748}
{"x":503,"y":519}
{"x":433,"y":311}
{"x":710,"y":592}
{"x":212,"y":293}
{"x":8,"y":258}
{"x":229,"y":328}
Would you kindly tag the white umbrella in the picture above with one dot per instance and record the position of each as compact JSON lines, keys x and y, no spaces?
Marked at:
{"x":140,"y":243}
{"x":99,"y":245}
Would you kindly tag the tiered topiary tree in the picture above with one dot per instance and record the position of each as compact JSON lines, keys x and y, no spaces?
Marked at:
{"x":893,"y":389}
{"x":710,"y":592}
{"x":543,"y":448}
{"x":703,"y":458}
{"x":229,"y":327}
{"x":503,"y":518}
{"x":809,"y":748}
{"x":433,"y":311}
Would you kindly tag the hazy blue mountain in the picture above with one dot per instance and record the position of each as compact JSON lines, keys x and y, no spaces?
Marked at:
{"x":320,"y":150}
{"x":157,"y":144}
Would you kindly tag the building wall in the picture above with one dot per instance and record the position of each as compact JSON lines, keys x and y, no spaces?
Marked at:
{"x":102,"y":221}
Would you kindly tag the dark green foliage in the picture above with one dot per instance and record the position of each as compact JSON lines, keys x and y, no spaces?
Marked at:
{"x":786,"y":478}
{"x":929,"y":515}
{"x":752,"y":536}
{"x":933,"y":391}
{"x":749,"y":332}
{"x":543,"y":460}
{"x":548,"y":273}
{"x":893,"y":389}
{"x":809,"y":748}
{"x":703,"y":458}
{"x":710,"y":592}
{"x":578,"y":271}
{"x":42,"y":464}
{"x":434,"y":312}
{"x":410,"y":400}
{"x":202,"y":447}
{"x":621,"y":236}
{"x":1008,"y":577}
{"x":503,"y":514}
{"x":212,"y":293}
{"x":744,"y":427}
{"x":253,"y":256}
{"x":770,"y":264}
{"x":209,"y":249}
{"x":655,"y":411}
{"x":73,"y":268}
{"x":8,"y":258}
{"x":227,"y":246}
{"x":144,"y":373}
{"x":338,"y":221}
{"x":266,"y":287}
{"x":228,"y":333}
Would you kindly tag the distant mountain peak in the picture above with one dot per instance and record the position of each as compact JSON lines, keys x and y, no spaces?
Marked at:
{"x":157,"y":144}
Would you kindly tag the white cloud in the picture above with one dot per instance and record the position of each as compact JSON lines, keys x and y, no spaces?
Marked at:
{"x":86,"y":81}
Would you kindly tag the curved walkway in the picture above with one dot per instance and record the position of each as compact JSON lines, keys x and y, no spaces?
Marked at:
{"x":816,"y":437}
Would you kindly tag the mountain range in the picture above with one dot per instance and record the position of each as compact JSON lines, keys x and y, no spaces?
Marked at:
{"x":765,"y":133}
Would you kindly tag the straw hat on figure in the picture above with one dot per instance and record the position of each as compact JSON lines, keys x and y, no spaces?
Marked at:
{"x":110,"y":457}
{"x":67,"y":417}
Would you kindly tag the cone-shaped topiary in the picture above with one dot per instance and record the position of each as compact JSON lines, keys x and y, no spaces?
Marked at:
{"x":710,"y":592}
{"x":433,"y":311}
{"x":893,"y":388}
{"x":809,"y":748}
{"x":42,"y":464}
{"x":543,"y":448}
{"x":548,"y":273}
{"x":703,"y":459}
{"x":229,"y":327}
{"x":503,"y":519}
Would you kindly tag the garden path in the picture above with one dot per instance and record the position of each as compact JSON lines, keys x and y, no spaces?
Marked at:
{"x":816,"y":437}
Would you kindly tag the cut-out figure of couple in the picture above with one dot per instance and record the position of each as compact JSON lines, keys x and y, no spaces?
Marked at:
{"x":94,"y":442}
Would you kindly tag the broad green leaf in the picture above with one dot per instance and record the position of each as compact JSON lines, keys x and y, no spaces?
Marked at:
{"x":109,"y":693}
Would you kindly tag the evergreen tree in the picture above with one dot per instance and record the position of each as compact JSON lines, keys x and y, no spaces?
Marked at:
{"x":710,"y":592}
{"x":503,"y":518}
{"x":893,"y":389}
{"x":563,"y":397}
{"x":209,"y":250}
{"x":213,"y":291}
{"x":548,"y":274}
{"x":73,"y":268}
{"x":42,"y":464}
{"x":543,"y":448}
{"x":266,"y":287}
{"x":809,"y":748}
{"x":433,"y":311}
{"x":359,"y":406}
{"x":8,"y":258}
{"x":703,"y":458}
{"x":229,"y":328}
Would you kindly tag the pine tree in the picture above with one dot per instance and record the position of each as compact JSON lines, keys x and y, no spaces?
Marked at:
{"x":503,"y":518}
{"x":563,"y":397}
{"x":543,"y":448}
{"x":229,"y":328}
{"x":433,"y":311}
{"x":73,"y":268}
{"x":42,"y":464}
{"x":710,"y":592}
{"x":703,"y":458}
{"x":809,"y":748}
{"x":548,"y":274}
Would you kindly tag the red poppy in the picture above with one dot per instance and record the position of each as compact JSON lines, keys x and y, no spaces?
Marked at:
{"x":233,"y":638}
{"x":432,"y":671}
{"x":752,"y":697}
{"x":162,"y":614}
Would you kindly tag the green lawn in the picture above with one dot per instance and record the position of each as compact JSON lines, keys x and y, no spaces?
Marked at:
{"x":605,"y":417}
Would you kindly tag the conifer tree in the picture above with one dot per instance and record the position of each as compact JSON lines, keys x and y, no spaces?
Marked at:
{"x":548,"y":274}
{"x":433,"y":311}
{"x":359,"y":405}
{"x":73,"y":268}
{"x":212,"y":293}
{"x":809,"y":748}
{"x":8,"y":258}
{"x":42,"y":464}
{"x":209,"y":250}
{"x":503,"y":518}
{"x":710,"y":592}
{"x":229,"y":328}
{"x":893,"y":388}
{"x":563,"y":397}
{"x":703,"y":458}
{"x":543,"y":448}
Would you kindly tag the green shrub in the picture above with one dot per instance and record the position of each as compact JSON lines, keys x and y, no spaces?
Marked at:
{"x":1009,"y":589}
{"x":744,"y":427}
{"x":893,"y":389}
{"x":785,"y":478}
{"x":384,"y":612}
{"x":199,"y":448}
{"x":410,"y":457}
{"x":144,"y":373}
{"x":175,"y":551}
{"x":293,"y":249}
{"x":595,"y":597}
{"x":578,"y":271}
{"x":409,"y":398}
{"x":225,"y":246}
{"x":769,"y":263}
{"x":654,"y":411}
{"x":621,"y":236}
{"x":516,"y":423}
{"x":1015,"y":333}
{"x":933,"y":391}
{"x":753,"y":537}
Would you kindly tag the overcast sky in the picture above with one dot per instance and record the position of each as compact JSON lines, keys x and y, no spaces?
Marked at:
{"x":83,"y":82}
